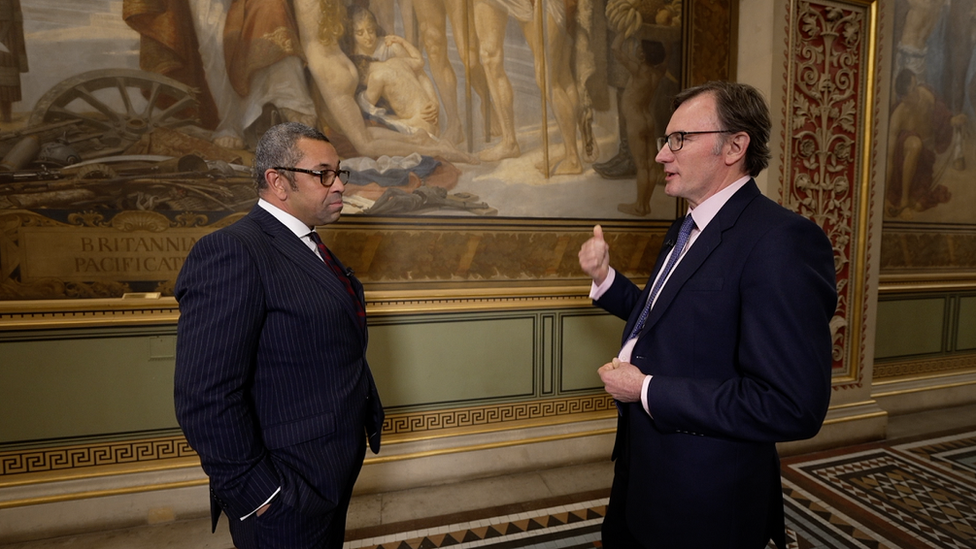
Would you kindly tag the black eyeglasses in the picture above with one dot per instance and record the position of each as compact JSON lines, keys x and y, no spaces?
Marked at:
{"x":676,"y":140}
{"x":326,"y":177}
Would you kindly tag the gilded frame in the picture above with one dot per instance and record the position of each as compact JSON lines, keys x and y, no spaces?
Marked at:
{"x":928,"y":237}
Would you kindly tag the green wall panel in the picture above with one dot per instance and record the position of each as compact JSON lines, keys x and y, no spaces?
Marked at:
{"x":588,"y":342}
{"x":81,"y":387}
{"x":910,"y":327}
{"x":966,"y":329}
{"x":453,"y":360}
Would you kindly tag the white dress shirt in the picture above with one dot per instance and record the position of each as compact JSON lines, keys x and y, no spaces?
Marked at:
{"x":295,"y":225}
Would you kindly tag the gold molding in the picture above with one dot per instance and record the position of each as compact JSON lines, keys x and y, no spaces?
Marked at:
{"x":82,"y":313}
{"x":387,"y":303}
{"x":58,"y":498}
{"x":101,"y":454}
{"x":487,"y":446}
{"x":892,"y":372}
{"x":858,"y":417}
{"x":924,"y":389}
{"x":462,"y":420}
{"x":157,"y":310}
{"x":926,"y":282}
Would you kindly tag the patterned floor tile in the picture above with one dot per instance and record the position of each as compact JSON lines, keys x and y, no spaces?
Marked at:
{"x":917,"y":495}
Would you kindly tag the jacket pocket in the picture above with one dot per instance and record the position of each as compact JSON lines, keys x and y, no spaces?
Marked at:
{"x":298,"y":431}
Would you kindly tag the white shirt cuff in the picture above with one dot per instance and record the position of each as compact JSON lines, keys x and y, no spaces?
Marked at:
{"x":596,"y":292}
{"x":647,"y":381}
{"x":267,"y":501}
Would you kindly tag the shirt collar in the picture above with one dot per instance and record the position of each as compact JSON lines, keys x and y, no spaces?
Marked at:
{"x":295,"y":225}
{"x":707,"y":210}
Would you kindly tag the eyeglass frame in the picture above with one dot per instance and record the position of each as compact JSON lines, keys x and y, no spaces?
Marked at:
{"x":336,"y":174}
{"x":667,"y":139}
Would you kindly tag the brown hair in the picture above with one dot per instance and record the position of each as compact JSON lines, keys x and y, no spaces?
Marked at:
{"x":741,"y":108}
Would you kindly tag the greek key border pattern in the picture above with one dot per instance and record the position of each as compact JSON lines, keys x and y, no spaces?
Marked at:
{"x":77,"y":457}
{"x":884,"y":370}
{"x":40,"y":460}
{"x":496,"y":413}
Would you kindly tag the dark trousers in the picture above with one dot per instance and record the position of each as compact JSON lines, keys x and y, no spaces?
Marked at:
{"x":282,"y":527}
{"x":614,"y":533}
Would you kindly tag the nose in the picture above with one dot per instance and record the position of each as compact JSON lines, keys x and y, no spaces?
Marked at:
{"x":664,"y":155}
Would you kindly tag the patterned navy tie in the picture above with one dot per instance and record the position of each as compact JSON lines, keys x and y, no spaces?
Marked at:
{"x":683,"y":235}
{"x":331,"y":262}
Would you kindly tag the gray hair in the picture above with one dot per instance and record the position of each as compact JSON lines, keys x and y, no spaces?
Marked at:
{"x":279,"y":147}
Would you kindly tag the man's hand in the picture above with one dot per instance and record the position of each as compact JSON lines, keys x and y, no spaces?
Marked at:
{"x":262,"y":509}
{"x":622,"y":380}
{"x":594,"y":256}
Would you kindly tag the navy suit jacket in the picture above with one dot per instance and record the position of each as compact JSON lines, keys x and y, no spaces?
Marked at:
{"x":272,"y":386}
{"x":739,"y":347}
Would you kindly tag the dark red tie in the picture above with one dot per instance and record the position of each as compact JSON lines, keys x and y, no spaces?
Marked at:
{"x":334,"y":265}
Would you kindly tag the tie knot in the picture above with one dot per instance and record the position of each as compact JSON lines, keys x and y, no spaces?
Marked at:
{"x":315,"y":238}
{"x":687,"y":225}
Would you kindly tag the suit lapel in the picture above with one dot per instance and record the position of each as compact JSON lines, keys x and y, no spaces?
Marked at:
{"x":296,"y":251}
{"x":705,"y":244}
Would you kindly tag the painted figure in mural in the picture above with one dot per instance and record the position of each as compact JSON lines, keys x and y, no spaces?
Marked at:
{"x":491,"y":18}
{"x":647,"y":63}
{"x":13,"y":55}
{"x":959,"y":44}
{"x":726,"y":350}
{"x":413,"y":107}
{"x":222,"y":47}
{"x":432,"y":17}
{"x":392,"y":69}
{"x":321,"y":26}
{"x":912,"y":49}
{"x":629,"y":19}
{"x":266,"y":46}
{"x":920,"y":127}
{"x":273,"y":328}
{"x":386,"y":12}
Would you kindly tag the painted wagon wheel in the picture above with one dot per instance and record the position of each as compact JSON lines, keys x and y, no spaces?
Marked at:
{"x":120,"y":104}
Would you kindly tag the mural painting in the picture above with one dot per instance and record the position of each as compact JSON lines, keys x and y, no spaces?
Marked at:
{"x":128,"y":126}
{"x":932,"y":121}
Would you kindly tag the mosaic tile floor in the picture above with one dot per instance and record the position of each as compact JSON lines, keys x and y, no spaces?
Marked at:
{"x":575,"y":526}
{"x":908,"y":495}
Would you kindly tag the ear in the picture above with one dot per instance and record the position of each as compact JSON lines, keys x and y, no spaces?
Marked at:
{"x":278,"y":185}
{"x":738,"y":145}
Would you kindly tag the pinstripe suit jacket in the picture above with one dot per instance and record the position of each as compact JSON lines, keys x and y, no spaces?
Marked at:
{"x":739,"y":345}
{"x":272,"y":387}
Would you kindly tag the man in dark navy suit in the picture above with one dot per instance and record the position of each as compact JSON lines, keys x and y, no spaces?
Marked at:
{"x":726,"y":351}
{"x":272,"y":386}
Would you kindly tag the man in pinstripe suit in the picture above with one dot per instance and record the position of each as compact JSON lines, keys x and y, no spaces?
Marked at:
{"x":272,"y":386}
